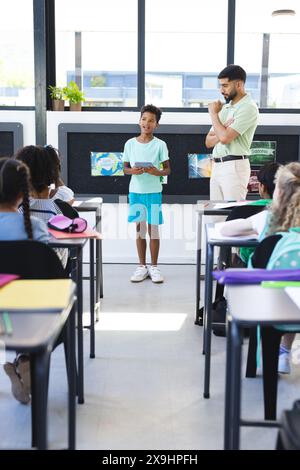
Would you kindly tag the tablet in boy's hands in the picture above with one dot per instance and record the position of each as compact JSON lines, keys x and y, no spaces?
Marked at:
{"x":143,"y":165}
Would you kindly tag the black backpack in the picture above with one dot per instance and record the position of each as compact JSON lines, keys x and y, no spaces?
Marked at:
{"x":289,"y":433}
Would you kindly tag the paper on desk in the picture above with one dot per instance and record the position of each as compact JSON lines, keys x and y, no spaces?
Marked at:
{"x":41,"y":294}
{"x":294,"y":294}
{"x":221,"y":205}
{"x":77,"y":202}
{"x":214,"y":233}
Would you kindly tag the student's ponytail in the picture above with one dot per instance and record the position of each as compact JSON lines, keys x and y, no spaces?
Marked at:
{"x":24,"y":180}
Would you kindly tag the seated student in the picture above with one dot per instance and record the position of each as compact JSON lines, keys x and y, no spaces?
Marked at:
{"x":283,"y":214}
{"x":43,"y":172}
{"x":266,"y":187}
{"x":14,"y":190}
{"x":60,"y":190}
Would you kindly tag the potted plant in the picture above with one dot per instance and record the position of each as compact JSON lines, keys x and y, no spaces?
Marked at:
{"x":74,"y":95}
{"x":58,"y":97}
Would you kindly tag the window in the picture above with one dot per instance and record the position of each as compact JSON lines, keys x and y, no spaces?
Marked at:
{"x":102,"y":36}
{"x":184,"y":40}
{"x":17,"y":54}
{"x":274,"y":70}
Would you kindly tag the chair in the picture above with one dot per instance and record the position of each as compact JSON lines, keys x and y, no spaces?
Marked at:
{"x":239,"y":212}
{"x":32,"y":260}
{"x":224,"y":261}
{"x":270,"y":338}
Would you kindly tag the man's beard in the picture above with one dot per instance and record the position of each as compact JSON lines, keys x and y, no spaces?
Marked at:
{"x":230,"y":97}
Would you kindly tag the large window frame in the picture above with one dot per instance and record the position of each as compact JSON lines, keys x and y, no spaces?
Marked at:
{"x":49,"y":42}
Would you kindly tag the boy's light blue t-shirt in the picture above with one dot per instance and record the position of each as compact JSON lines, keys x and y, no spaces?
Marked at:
{"x":156,"y":152}
{"x":12,"y":228}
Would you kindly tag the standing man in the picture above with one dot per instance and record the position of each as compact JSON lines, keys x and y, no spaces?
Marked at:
{"x":233,"y":128}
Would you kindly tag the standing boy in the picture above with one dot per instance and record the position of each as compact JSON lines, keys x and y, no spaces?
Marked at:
{"x":143,"y":157}
{"x":233,"y":127}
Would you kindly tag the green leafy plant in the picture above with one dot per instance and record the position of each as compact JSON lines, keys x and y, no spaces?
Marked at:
{"x":73,"y":94}
{"x":56,"y":92}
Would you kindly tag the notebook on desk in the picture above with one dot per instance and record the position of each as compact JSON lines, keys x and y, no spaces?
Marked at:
{"x":6,"y":278}
{"x":36,"y":294}
{"x":227,"y":205}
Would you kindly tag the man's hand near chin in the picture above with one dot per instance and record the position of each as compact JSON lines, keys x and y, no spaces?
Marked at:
{"x":215,"y":107}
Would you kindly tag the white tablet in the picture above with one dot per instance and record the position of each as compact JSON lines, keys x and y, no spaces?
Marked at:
{"x":143,"y":164}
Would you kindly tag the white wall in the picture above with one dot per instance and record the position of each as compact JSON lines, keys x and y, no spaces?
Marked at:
{"x":26,"y":118}
{"x":127,"y":117}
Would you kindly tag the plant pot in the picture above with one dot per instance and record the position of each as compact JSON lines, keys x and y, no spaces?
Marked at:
{"x":58,"y":105}
{"x":75,"y":106}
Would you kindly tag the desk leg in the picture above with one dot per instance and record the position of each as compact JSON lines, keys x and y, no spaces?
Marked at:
{"x":236,"y":384}
{"x":71,"y":327}
{"x":92,"y":300}
{"x":208,"y":320}
{"x":80,"y":328}
{"x":205,"y":298}
{"x":99,"y":263}
{"x":228,"y":391}
{"x":198,"y":267}
{"x":39,"y":368}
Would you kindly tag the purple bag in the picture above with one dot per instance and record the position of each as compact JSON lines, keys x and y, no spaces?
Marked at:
{"x":64,"y":224}
{"x":255,"y":276}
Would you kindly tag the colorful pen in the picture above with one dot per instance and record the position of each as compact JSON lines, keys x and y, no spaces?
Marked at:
{"x":7,"y":323}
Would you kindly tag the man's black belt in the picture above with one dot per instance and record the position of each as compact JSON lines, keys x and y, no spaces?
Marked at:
{"x":228,"y":158}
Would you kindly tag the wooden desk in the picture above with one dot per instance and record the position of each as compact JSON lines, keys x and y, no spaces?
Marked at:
{"x":35,"y":334}
{"x":76,"y":244}
{"x":261,"y":306}
{"x":203,"y":208}
{"x":210,"y":244}
{"x":95,"y":205}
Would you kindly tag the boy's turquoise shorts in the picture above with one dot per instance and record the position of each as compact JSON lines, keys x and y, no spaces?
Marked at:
{"x":145,"y":208}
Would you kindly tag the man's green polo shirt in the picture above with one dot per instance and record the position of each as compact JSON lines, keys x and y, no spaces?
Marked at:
{"x":245,"y":115}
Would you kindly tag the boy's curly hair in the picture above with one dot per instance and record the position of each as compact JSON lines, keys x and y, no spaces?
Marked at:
{"x":43,"y":169}
{"x":150,"y":108}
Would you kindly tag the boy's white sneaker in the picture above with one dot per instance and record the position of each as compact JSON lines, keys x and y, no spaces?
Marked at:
{"x":155,"y":274}
{"x":140,"y":274}
{"x":284,"y":363}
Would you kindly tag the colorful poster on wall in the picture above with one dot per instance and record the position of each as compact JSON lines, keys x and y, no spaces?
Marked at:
{"x":106,"y":164}
{"x":262,"y":152}
{"x":199,"y":165}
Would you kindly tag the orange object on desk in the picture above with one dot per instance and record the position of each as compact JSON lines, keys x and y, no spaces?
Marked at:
{"x":88,"y":233}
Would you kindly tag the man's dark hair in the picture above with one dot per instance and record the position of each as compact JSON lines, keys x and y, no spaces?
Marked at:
{"x":266,"y":176}
{"x":150,"y":108}
{"x":233,"y":72}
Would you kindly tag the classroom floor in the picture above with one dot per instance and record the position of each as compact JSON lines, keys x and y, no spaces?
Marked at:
{"x":144,"y":389}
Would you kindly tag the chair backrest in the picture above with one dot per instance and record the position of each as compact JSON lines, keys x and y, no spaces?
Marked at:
{"x":286,"y":254}
{"x":66,"y":209}
{"x":242,"y":212}
{"x":30,"y":259}
{"x":263,"y":251}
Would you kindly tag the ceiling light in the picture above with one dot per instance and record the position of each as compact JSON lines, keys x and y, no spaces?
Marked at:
{"x":283,"y":13}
